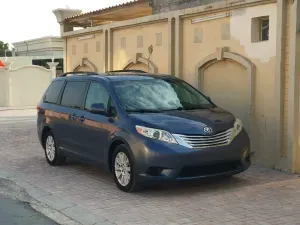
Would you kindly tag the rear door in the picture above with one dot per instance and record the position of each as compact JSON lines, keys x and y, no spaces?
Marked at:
{"x":71,"y":109}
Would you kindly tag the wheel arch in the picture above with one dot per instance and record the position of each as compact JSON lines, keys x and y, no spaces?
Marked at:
{"x":46,"y":129}
{"x":117,"y":141}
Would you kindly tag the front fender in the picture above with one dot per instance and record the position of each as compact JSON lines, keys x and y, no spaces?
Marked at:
{"x":117,"y":138}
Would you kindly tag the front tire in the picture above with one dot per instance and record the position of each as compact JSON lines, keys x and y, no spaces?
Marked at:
{"x":123,"y":170}
{"x":52,"y":154}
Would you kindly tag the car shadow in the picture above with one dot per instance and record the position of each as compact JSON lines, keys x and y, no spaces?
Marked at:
{"x":254,"y":176}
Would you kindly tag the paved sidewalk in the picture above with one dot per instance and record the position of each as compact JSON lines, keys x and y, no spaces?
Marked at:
{"x":17,"y":108}
{"x":258,"y":196}
{"x":17,"y":112}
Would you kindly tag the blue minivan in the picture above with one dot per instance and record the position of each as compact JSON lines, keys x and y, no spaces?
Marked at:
{"x":142,"y":127}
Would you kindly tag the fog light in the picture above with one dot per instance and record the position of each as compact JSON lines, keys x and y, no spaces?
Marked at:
{"x":158,"y":171}
{"x":155,"y":171}
{"x":167,"y":172}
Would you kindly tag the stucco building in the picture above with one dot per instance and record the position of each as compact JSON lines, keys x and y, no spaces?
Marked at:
{"x":242,"y":53}
{"x":38,"y":51}
{"x":49,"y":46}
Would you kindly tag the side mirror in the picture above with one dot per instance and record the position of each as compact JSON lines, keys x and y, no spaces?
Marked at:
{"x":98,"y":108}
{"x":208,"y":98}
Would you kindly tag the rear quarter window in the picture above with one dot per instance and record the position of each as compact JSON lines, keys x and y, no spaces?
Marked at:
{"x":74,"y":94}
{"x":53,"y":91}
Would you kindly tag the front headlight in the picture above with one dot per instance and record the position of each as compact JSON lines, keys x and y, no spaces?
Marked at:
{"x":238,"y":126}
{"x":161,"y":135}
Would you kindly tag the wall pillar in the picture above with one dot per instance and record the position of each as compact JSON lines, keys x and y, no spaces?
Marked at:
{"x":178,"y":46}
{"x":65,"y":46}
{"x":293,"y":94}
{"x":105,"y":44}
{"x":279,"y":78}
{"x":171,"y":57}
{"x":110,"y":50}
{"x":53,"y":66}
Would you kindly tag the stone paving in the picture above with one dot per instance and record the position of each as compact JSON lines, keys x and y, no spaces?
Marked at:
{"x":258,"y":196}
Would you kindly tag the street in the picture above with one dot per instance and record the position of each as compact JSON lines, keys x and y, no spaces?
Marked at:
{"x":14,"y":212}
{"x":258,"y":196}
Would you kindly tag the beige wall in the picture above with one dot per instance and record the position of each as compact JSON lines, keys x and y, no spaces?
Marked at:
{"x":148,"y":32}
{"x":2,"y":89}
{"x":75,"y":57}
{"x":121,"y":55}
{"x":24,"y":86}
{"x":21,"y":61}
{"x":28,"y":85}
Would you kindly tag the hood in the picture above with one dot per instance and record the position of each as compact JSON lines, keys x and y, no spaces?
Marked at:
{"x":188,"y":122}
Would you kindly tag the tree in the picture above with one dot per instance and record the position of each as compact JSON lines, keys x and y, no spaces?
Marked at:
{"x":3,"y":46}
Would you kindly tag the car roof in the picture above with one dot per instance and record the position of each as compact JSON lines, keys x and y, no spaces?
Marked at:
{"x":114,"y":76}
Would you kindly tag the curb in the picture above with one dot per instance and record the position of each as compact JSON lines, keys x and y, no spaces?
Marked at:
{"x":16,"y":108}
{"x":55,"y":207}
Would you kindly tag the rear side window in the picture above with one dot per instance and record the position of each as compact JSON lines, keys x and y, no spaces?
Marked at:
{"x":74,"y":94}
{"x":53,"y":91}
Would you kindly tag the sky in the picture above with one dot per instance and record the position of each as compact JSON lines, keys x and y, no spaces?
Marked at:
{"x":23,"y":20}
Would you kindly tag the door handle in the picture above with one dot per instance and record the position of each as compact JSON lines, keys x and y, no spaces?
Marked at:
{"x":73,"y":117}
{"x":82,"y":119}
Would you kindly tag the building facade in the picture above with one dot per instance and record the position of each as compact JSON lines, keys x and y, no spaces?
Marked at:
{"x":45,"y":46}
{"x":39,"y":52}
{"x":241,"y":53}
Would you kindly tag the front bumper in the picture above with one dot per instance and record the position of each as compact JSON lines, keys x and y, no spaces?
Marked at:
{"x":155,"y":160}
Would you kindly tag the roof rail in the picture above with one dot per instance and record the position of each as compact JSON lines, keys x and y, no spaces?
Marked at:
{"x":78,"y":73}
{"x":127,"y":71}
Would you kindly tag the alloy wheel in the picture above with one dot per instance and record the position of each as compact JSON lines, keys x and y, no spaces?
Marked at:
{"x":50,"y":148}
{"x":122,"y":169}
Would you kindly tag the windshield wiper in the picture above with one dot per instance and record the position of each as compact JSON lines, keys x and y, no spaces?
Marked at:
{"x":175,"y":109}
{"x":190,"y":106}
{"x":142,"y":111}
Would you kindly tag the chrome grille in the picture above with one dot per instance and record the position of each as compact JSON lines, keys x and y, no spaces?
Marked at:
{"x":196,"y":141}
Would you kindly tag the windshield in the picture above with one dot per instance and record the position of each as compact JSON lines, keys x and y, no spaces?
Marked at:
{"x":153,"y":94}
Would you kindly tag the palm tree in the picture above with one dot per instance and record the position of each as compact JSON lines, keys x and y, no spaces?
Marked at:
{"x":3,"y":46}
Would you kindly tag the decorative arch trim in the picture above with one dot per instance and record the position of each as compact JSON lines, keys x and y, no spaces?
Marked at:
{"x":86,"y":62}
{"x":224,"y":53}
{"x":140,"y":59}
{"x":30,"y":66}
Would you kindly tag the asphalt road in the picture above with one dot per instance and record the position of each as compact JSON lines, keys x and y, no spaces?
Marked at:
{"x":14,"y":212}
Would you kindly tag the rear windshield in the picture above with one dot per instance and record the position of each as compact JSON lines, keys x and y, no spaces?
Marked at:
{"x":53,"y":91}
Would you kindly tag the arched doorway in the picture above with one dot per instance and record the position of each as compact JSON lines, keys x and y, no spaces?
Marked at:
{"x":138,"y":66}
{"x":86,"y":66}
{"x":83,"y":68}
{"x":140,"y":63}
{"x":226,"y":83}
{"x":228,"y":78}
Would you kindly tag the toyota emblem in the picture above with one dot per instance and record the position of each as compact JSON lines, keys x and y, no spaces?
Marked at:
{"x":207,"y":130}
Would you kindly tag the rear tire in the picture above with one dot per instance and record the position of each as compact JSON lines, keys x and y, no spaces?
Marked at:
{"x":53,"y":156}
{"x":123,"y":170}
